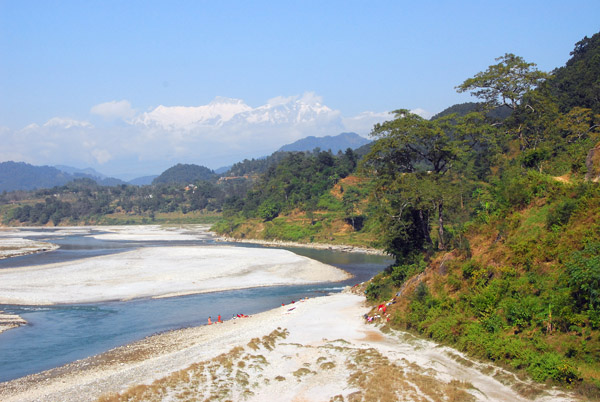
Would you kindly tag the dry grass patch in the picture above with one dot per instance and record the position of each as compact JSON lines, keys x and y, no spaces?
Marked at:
{"x":218,"y":379}
{"x":327,"y":365}
{"x":383,"y":381}
{"x":268,"y":341}
{"x":301,"y":372}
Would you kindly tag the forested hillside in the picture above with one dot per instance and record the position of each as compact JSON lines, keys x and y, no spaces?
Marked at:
{"x":83,"y":201}
{"x":306,"y":196}
{"x":491,"y":210}
{"x":495,"y":226}
{"x":15,"y":176}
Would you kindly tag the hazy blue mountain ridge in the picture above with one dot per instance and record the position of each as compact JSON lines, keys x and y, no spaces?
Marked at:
{"x":336,"y":143}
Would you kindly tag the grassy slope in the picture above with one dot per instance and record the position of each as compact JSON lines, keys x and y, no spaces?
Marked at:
{"x":328,"y":223}
{"x":506,"y":296}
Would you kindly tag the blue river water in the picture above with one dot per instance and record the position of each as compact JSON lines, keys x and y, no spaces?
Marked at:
{"x":56,"y":335}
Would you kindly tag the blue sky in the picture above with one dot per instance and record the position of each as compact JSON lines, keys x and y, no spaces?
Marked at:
{"x":60,"y":59}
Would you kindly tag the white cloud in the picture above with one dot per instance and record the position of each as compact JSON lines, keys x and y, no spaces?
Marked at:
{"x":422,"y":112}
{"x":64,"y":122}
{"x":280,"y":100}
{"x":32,"y":126}
{"x":114,"y":110}
{"x":101,"y":155}
{"x":363,"y":123}
{"x":222,"y":132}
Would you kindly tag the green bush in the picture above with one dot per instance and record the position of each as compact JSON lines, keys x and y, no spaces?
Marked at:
{"x":444,"y":328}
{"x":519,"y":312}
{"x":469,"y":268}
{"x":330,"y":203}
{"x":269,"y":210}
{"x":281,"y":230}
{"x":401,"y":273}
{"x":552,"y":366}
{"x":583,"y":276}
{"x":379,"y":288}
{"x":559,"y":214}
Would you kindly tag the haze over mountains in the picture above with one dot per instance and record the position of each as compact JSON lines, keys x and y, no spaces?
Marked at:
{"x":23,"y":176}
{"x":121,"y":140}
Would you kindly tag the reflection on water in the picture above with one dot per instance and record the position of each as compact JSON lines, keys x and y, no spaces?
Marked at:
{"x":57,"y":335}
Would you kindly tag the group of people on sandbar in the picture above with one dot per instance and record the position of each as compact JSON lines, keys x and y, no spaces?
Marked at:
{"x":380,"y":309}
{"x":219,"y":321}
{"x":236,"y":316}
{"x":294,"y":301}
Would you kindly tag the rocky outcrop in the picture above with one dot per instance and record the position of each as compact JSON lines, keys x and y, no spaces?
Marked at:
{"x":592,"y":163}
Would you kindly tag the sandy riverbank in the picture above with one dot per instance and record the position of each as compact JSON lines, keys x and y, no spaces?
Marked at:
{"x":317,"y":350}
{"x":317,"y":246}
{"x":160,"y":272}
{"x":16,"y":246}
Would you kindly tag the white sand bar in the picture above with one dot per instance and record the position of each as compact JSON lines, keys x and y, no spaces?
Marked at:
{"x":327,"y":345}
{"x":16,"y":246}
{"x":160,"y":272}
{"x":153,"y":233}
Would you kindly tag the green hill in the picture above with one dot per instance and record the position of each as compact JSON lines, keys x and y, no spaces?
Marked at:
{"x":184,"y":174}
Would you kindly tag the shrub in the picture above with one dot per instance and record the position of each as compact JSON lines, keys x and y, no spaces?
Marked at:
{"x":583,"y":272}
{"x":559,"y":214}
{"x":268,"y":210}
{"x":379,"y":288}
{"x":421,"y":292}
{"x":400,"y":273}
{"x":552,"y":366}
{"x":330,"y":203}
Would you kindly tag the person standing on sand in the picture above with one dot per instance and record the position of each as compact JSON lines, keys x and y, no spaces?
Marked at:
{"x":219,"y":319}
{"x":209,"y":321}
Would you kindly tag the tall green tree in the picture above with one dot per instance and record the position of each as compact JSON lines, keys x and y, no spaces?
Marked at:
{"x":504,"y":83}
{"x":510,"y":83}
{"x":415,"y":164}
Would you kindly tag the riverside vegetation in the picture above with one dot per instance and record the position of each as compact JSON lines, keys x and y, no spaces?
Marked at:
{"x":491,"y":210}
{"x":492,"y":214}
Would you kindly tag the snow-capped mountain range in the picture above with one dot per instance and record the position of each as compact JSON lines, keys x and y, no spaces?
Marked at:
{"x":228,"y":111}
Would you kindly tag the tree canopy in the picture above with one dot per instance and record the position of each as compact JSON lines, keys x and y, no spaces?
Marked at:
{"x":504,"y":83}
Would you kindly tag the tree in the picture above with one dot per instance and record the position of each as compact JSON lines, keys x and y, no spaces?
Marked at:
{"x":413,"y":160}
{"x":268,"y":210}
{"x":504,"y":83}
{"x":510,"y":83}
{"x":350,"y":200}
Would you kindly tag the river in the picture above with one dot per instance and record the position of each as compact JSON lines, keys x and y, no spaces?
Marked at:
{"x":56,"y":335}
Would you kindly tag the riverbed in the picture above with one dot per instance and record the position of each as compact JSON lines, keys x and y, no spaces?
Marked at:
{"x":59,"y":334}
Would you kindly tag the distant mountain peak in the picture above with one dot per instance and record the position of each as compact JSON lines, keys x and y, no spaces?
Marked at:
{"x":336,"y":143}
{"x":223,"y":111}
